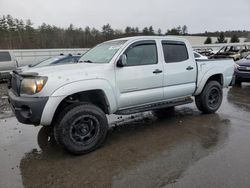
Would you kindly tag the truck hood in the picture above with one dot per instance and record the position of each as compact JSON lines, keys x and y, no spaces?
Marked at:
{"x":65,"y":70}
{"x":61,"y":75}
{"x":244,"y":62}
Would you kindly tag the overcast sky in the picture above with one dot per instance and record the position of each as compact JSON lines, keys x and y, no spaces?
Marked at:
{"x":198,"y":15}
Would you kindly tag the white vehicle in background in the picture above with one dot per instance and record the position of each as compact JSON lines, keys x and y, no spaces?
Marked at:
{"x":53,"y":61}
{"x":198,"y":56}
{"x":11,"y":59}
{"x":7,"y":63}
{"x":205,"y":51}
{"x":122,"y":76}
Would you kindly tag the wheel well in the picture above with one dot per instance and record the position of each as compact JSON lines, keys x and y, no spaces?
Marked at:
{"x":96,"y":97}
{"x":218,"y":78}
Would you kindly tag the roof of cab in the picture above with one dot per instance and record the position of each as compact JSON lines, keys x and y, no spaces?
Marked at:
{"x":151,"y":38}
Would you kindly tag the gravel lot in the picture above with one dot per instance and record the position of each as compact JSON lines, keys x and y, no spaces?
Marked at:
{"x":186,"y":149}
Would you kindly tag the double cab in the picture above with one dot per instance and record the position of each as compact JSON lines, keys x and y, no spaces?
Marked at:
{"x":122,"y":76}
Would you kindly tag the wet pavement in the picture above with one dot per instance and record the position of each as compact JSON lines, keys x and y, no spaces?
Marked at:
{"x":5,"y":110}
{"x":184,"y":149}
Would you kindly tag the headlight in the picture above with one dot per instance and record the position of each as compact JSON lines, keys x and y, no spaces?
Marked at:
{"x":32,"y":85}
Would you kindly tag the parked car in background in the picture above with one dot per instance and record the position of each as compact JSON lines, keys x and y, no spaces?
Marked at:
{"x":7,"y":63}
{"x":245,"y":54}
{"x":206,"y":51}
{"x":53,"y":61}
{"x":57,"y":60}
{"x":242,"y":71}
{"x":198,"y":56}
{"x":232,"y":51}
{"x":26,"y":57}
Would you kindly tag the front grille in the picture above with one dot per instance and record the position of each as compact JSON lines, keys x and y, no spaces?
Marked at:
{"x":244,"y":68}
{"x":15,"y":83}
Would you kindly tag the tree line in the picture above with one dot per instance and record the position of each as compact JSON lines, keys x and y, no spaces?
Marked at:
{"x":221,"y":36}
{"x":222,"y":39}
{"x":19,"y":34}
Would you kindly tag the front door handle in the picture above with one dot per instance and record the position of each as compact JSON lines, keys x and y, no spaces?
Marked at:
{"x":190,"y":68}
{"x":157,"y":71}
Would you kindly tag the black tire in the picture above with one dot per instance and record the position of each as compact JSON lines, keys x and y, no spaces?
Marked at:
{"x":45,"y":137}
{"x":81,"y":128}
{"x":210,"y":99}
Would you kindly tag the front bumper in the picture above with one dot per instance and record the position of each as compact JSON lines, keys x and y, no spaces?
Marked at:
{"x":242,"y":75}
{"x":28,"y":110}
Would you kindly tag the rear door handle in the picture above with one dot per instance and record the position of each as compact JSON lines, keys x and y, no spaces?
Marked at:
{"x":157,"y":71}
{"x":190,"y":68}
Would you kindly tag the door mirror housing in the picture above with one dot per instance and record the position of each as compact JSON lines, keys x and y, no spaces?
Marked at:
{"x":122,"y":61}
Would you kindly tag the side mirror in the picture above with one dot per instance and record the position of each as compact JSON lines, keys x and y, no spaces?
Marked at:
{"x":122,"y":61}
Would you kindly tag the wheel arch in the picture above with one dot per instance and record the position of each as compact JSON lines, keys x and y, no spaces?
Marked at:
{"x":96,"y":97}
{"x":97,"y":92}
{"x":209,"y":77}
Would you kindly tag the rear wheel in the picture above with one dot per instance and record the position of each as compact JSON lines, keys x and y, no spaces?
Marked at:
{"x":211,"y":97}
{"x":81,"y":128}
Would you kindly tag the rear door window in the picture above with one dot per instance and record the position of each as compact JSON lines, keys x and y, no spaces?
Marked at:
{"x":5,"y":56}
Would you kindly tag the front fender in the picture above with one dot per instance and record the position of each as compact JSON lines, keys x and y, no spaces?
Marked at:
{"x":86,"y":85}
{"x":75,"y":87}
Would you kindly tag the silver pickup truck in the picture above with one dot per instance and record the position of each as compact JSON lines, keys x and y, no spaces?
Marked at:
{"x":122,"y":76}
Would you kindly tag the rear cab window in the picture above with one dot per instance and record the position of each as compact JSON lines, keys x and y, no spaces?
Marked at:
{"x":174,"y":51}
{"x":5,"y":56}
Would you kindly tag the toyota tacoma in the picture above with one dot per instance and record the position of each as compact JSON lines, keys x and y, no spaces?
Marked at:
{"x":122,"y":76}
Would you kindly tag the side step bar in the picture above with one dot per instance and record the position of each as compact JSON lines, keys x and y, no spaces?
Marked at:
{"x":154,"y":106}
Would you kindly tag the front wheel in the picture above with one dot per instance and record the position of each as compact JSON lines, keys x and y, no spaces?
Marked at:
{"x":81,"y":128}
{"x":209,"y":101}
{"x":45,"y":137}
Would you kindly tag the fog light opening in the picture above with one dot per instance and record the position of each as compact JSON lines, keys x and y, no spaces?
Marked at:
{"x":26,"y":111}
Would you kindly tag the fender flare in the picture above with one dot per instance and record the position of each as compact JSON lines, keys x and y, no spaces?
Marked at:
{"x":202,"y":82}
{"x":75,"y":87}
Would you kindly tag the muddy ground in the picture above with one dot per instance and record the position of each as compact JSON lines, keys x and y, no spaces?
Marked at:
{"x":5,"y":110}
{"x":185,"y":149}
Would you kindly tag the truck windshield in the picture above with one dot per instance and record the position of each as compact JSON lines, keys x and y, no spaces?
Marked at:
{"x":102,"y":53}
